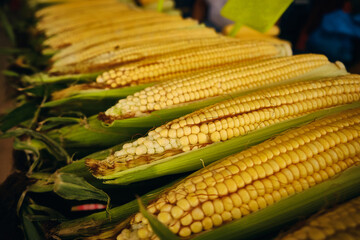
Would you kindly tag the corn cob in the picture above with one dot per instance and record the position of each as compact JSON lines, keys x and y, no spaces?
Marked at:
{"x":58,"y":16}
{"x":173,"y":23}
{"x":90,"y":48}
{"x":231,"y":118}
{"x":136,"y":53}
{"x":181,"y":63}
{"x":121,"y":21}
{"x":255,"y":178}
{"x":55,"y":26}
{"x":217,"y":82}
{"x":114,"y":17}
{"x":343,"y":222}
{"x":79,"y":98}
{"x":79,"y":13}
{"x":164,"y":48}
{"x":122,"y":18}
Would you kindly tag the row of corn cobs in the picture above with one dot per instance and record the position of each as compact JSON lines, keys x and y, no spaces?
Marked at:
{"x":273,"y":137}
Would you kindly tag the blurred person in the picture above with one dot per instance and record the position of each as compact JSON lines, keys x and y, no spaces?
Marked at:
{"x":208,"y":12}
{"x":330,"y":27}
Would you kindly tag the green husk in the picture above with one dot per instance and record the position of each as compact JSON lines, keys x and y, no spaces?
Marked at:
{"x":92,"y":101}
{"x":97,"y":133}
{"x":341,"y":187}
{"x":41,"y":84}
{"x":79,"y":168}
{"x":27,"y":147}
{"x":42,"y":186}
{"x":47,"y":213}
{"x":74,"y":182}
{"x":53,"y":147}
{"x":53,"y":122}
{"x":18,"y":115}
{"x":72,"y":187}
{"x":93,"y":135}
{"x":193,"y":160}
{"x":32,"y":229}
{"x":102,"y":221}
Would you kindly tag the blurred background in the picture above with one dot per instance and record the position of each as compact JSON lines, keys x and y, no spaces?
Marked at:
{"x":330,"y":27}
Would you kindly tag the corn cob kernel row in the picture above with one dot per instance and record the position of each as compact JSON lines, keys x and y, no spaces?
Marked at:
{"x":165,"y":48}
{"x":90,"y":48}
{"x":122,"y":20}
{"x":179,"y":63}
{"x":214,"y":83}
{"x":155,"y":24}
{"x":229,"y":119}
{"x":256,"y":178}
{"x":136,"y":53}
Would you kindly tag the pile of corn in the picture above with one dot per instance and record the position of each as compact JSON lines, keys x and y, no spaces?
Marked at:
{"x":134,"y":98}
{"x":109,"y":34}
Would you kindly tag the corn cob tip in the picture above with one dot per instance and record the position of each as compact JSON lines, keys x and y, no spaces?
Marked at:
{"x":101,"y":168}
{"x":96,"y":166}
{"x":123,"y":159}
{"x":92,"y":164}
{"x":285,"y":49}
{"x":340,"y":65}
{"x":110,"y":118}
